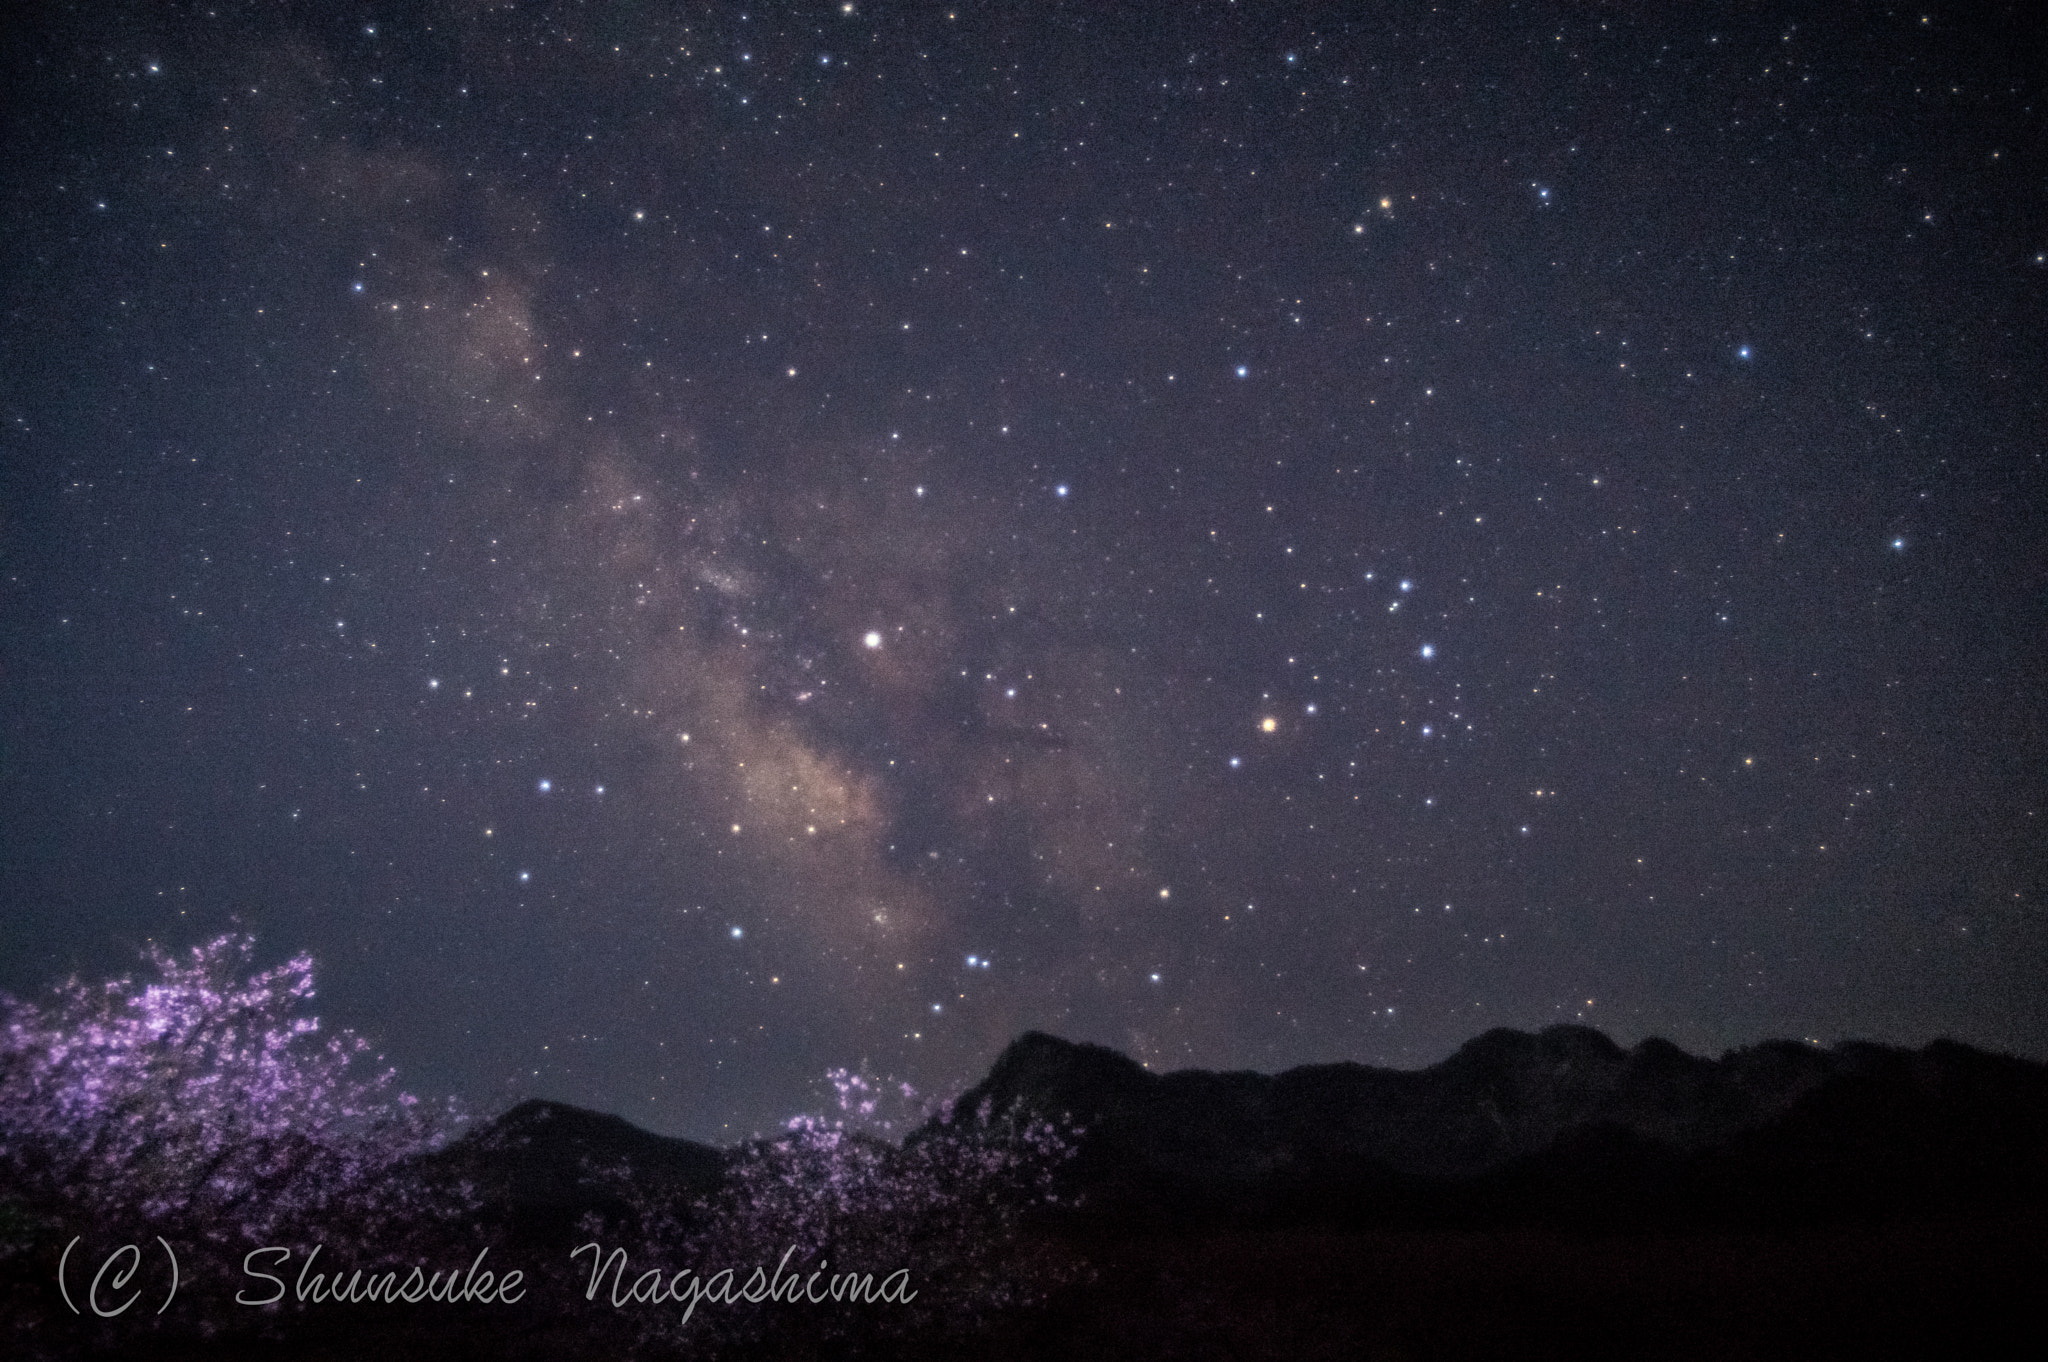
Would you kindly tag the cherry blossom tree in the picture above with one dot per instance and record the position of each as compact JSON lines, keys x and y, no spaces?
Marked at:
{"x":948,"y":1205}
{"x":202,"y":1096}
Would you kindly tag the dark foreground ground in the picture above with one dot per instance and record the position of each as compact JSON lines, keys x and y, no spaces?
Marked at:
{"x":1923,"y":1290}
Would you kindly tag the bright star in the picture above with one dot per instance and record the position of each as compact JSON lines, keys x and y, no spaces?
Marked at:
{"x":1428,"y":650}
{"x":546,"y":785}
{"x":873,"y":639}
{"x":1244,"y":371}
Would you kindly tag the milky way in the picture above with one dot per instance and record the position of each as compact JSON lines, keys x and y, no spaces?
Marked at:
{"x":678,"y":548}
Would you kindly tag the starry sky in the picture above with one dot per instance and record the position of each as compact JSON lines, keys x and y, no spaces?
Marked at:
{"x":677,"y":547}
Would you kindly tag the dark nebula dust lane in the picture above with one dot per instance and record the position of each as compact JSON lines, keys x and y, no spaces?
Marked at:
{"x":677,"y":548}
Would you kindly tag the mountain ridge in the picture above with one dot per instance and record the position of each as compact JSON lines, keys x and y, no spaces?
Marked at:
{"x":1502,"y":1094}
{"x":1560,"y":1126}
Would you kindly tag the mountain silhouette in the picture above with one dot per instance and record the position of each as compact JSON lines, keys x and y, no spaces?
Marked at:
{"x":1533,"y":1195}
{"x":1561,"y":1126}
{"x":542,"y":1165}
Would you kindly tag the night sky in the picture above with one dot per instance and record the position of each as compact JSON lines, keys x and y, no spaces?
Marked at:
{"x":677,"y":547}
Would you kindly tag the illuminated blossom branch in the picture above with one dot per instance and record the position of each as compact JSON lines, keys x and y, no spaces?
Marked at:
{"x":201,"y":1096}
{"x":947,"y":1204}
